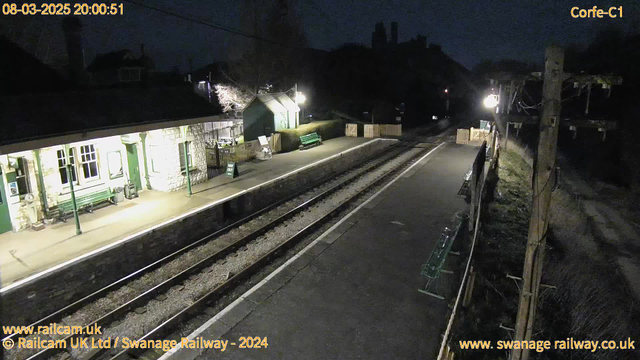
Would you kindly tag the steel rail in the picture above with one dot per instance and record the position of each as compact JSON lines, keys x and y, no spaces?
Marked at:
{"x":210,"y":260}
{"x":169,"y":325}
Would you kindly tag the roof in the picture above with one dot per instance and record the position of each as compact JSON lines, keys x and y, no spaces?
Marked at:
{"x":277,"y":102}
{"x":21,"y":72}
{"x":38,"y":116}
{"x":115,"y":60}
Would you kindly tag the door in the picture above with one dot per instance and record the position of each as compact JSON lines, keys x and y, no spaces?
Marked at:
{"x":5,"y":218}
{"x":134,"y":168}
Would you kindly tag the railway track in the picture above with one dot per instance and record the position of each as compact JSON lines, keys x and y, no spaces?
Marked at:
{"x":224,"y":260}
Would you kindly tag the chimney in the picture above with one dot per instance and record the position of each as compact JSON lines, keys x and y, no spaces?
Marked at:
{"x":72,"y":28}
{"x":394,"y":33}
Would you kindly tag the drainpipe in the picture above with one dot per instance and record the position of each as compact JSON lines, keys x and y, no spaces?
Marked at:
{"x":186,"y":162}
{"x":43,"y":191}
{"x":73,"y":194}
{"x":143,"y":138}
{"x":184,"y":129}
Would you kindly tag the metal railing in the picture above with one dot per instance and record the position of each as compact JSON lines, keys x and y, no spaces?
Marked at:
{"x":478,"y":177}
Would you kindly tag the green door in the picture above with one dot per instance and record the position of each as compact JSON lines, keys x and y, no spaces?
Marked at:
{"x":5,"y":218}
{"x":134,"y":168}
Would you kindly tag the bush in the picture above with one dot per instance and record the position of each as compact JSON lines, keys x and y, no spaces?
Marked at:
{"x":328,"y":129}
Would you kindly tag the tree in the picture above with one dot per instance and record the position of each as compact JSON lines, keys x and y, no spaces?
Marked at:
{"x":272,"y":59}
{"x":232,"y":98}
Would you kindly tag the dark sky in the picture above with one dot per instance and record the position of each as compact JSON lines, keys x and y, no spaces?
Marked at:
{"x":469,"y":31}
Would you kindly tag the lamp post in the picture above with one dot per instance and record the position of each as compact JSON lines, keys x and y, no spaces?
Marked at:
{"x":446,"y":91}
{"x":183,"y":130}
{"x":73,"y":194}
{"x":300,"y":99}
{"x":490,"y":101}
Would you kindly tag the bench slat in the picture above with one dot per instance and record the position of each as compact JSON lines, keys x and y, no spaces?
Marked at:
{"x":83,"y":201}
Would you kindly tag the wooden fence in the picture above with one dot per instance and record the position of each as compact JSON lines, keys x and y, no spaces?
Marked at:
{"x":351,"y":130}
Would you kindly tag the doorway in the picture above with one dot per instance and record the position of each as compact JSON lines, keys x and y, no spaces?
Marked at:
{"x":134,"y":167}
{"x":5,"y":218}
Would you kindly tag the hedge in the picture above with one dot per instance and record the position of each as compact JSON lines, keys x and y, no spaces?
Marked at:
{"x":327,"y":129}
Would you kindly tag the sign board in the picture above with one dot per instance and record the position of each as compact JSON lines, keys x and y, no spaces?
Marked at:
{"x":485,"y":125}
{"x":130,"y":138}
{"x":13,"y":189}
{"x":232,"y":169}
{"x":263,"y":140}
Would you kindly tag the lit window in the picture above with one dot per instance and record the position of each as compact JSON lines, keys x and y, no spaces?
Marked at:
{"x":89,"y":161}
{"x":181,"y":150}
{"x":22,"y":176}
{"x":114,"y":160}
{"x":62,"y":167}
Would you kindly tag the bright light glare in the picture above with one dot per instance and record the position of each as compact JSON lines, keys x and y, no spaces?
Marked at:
{"x":491,"y":101}
{"x":446,"y":90}
{"x":300,"y":98}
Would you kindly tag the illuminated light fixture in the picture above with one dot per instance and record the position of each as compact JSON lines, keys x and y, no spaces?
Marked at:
{"x":446,"y":90}
{"x":491,"y":101}
{"x":300,"y":98}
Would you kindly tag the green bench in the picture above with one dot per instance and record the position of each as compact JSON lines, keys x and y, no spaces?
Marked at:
{"x":310,"y":140}
{"x":84,"y":202}
{"x":432,"y":269}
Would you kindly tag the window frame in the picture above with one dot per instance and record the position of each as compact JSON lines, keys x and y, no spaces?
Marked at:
{"x":74,"y":165}
{"x":183,"y":165}
{"x":86,"y":159}
{"x":23,"y":167}
{"x":119,"y":174}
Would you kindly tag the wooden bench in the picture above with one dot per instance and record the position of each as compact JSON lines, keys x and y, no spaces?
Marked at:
{"x":310,"y":140}
{"x":84,"y":202}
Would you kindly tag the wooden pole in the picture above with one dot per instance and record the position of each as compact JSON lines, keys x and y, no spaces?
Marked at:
{"x":542,"y":185}
{"x":506,"y":139}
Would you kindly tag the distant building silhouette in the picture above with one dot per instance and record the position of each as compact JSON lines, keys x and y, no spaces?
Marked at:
{"x":72,"y":28}
{"x":394,"y":33}
{"x":379,"y":37}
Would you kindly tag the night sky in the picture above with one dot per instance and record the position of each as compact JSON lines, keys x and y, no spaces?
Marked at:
{"x":469,"y":31}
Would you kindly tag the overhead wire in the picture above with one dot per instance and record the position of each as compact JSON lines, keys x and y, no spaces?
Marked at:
{"x":207,"y":23}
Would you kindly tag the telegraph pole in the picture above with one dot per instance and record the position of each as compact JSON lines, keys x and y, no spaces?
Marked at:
{"x":542,"y":185}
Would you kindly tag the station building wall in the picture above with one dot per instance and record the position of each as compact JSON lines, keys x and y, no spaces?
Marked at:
{"x":102,"y":163}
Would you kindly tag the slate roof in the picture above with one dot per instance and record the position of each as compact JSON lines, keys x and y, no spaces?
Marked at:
{"x":35,"y":116}
{"x":115,"y":60}
{"x":277,"y":102}
{"x":21,"y":72}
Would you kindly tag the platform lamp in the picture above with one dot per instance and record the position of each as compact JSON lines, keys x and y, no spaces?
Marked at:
{"x":183,"y":131}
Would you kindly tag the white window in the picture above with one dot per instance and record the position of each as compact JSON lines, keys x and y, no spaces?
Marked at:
{"x":62,"y":167}
{"x":89,"y":161}
{"x":114,"y":160}
{"x":181,"y":150}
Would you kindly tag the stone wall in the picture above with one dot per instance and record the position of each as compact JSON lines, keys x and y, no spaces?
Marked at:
{"x":164,"y":153}
{"x":18,"y":208}
{"x":31,"y":301}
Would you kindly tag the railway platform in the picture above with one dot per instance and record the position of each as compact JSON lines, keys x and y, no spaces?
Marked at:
{"x":353,"y":292}
{"x":29,"y":253}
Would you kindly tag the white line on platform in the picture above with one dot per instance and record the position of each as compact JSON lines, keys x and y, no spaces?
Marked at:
{"x":257,"y":286}
{"x":174,"y":219}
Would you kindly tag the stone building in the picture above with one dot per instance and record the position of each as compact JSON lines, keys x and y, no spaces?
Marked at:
{"x":111,"y":138}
